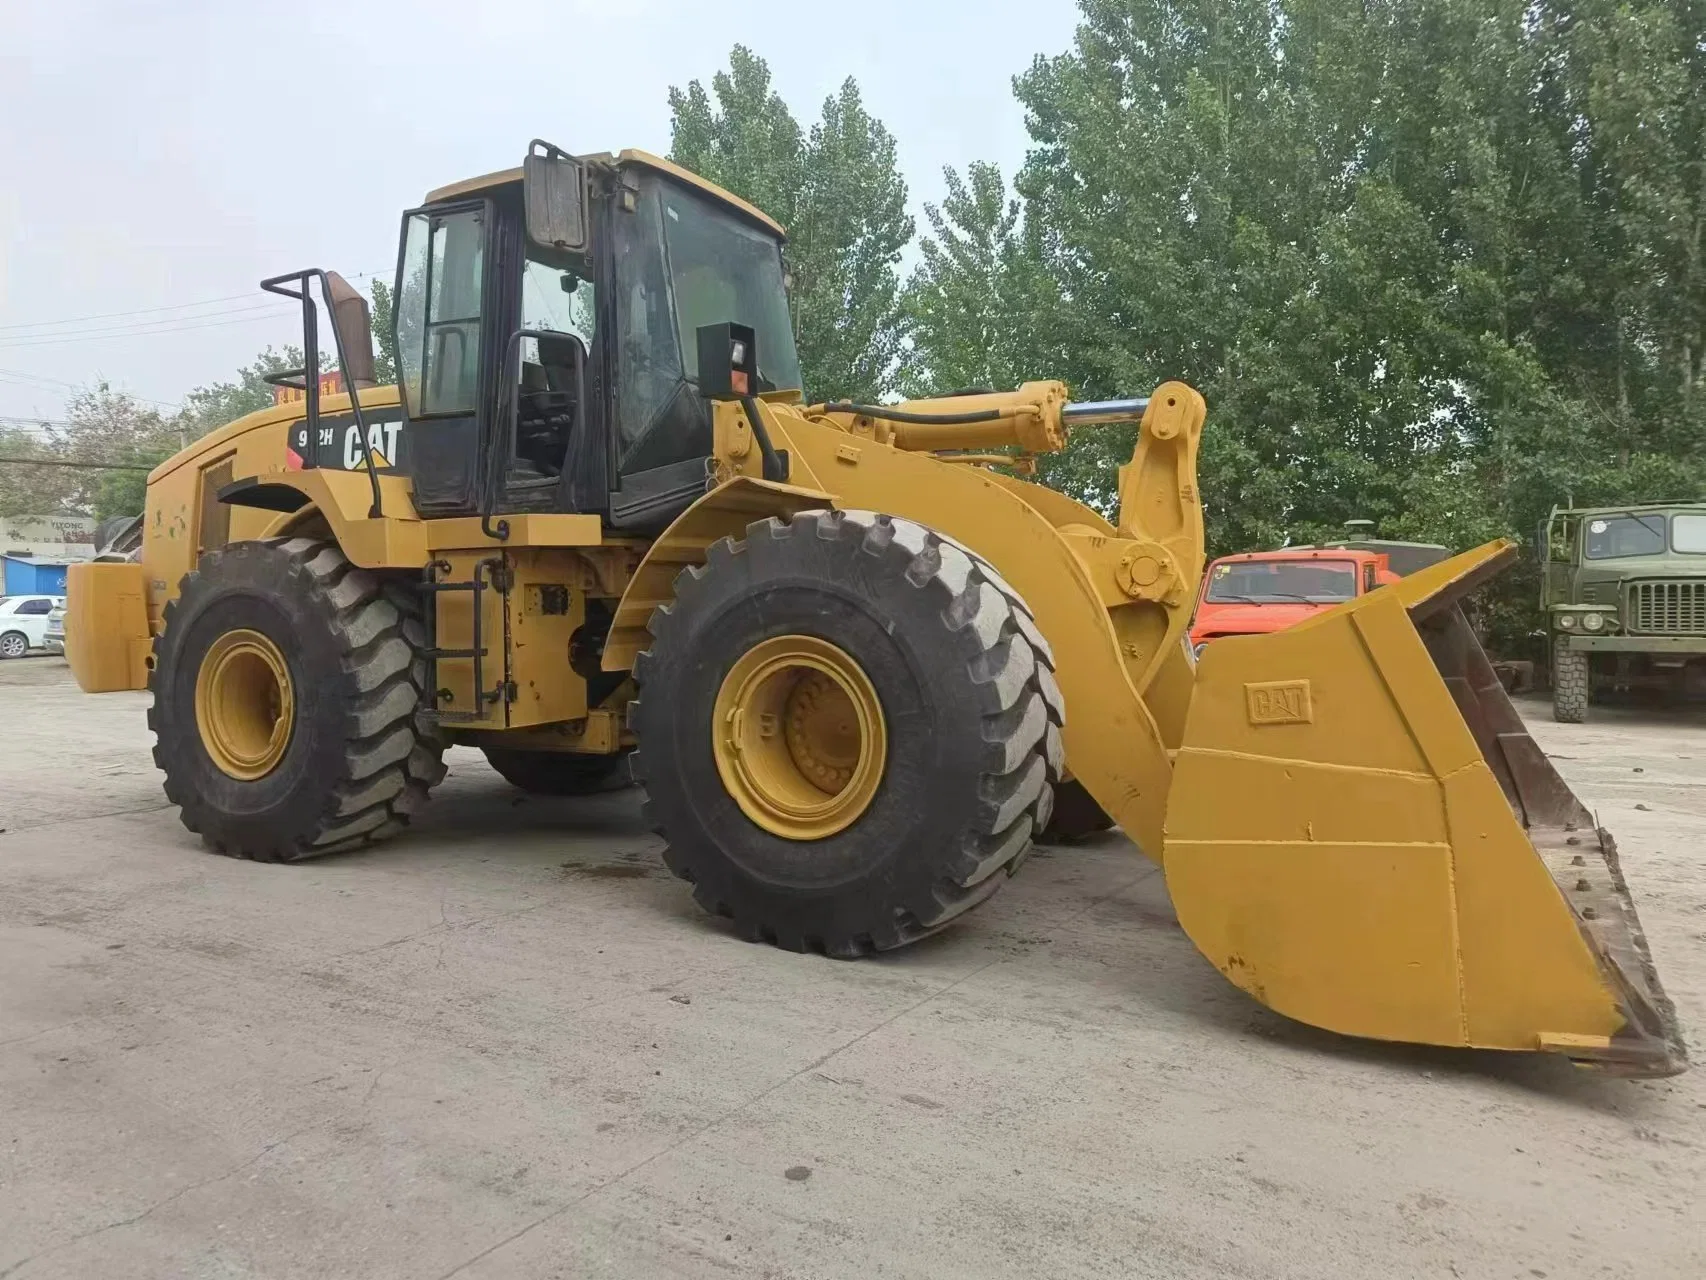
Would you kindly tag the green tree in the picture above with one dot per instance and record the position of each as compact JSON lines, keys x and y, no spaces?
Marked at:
{"x":32,"y":489}
{"x":979,"y":305}
{"x":839,"y":193}
{"x":1434,"y":262}
{"x":101,"y":426}
{"x":210,"y":407}
{"x":384,"y":336}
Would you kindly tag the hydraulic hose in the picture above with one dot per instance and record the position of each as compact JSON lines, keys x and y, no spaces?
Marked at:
{"x":926,"y":419}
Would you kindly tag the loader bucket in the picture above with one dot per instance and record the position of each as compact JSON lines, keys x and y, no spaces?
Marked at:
{"x":1361,"y":835}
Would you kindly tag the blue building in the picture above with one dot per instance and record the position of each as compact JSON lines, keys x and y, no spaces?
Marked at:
{"x":32,"y":576}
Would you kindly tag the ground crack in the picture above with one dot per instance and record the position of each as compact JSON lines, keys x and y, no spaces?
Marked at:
{"x":157,"y":1205}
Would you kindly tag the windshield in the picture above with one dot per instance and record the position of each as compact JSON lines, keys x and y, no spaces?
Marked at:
{"x":722,"y":269}
{"x":1281,"y":581}
{"x":1688,"y":534}
{"x":1618,"y":537}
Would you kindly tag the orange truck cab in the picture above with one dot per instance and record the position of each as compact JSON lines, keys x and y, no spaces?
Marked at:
{"x":1261,"y":591}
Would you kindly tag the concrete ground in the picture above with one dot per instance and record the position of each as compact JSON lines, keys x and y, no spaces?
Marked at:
{"x":502,"y":1047}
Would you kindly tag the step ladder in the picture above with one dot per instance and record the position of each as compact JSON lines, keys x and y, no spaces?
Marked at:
{"x":490,"y":574}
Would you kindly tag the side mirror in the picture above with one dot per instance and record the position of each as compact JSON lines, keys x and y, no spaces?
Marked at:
{"x":554,"y":185}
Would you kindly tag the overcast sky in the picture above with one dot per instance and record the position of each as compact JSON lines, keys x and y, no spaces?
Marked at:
{"x":174,"y":152}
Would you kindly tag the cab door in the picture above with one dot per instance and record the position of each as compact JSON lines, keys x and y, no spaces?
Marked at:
{"x":1558,"y":569}
{"x":450,"y":284}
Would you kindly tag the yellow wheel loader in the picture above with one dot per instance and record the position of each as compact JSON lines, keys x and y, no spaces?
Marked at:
{"x":848,"y":649}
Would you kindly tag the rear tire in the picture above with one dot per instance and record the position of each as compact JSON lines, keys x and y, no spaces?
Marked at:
{"x":357,"y":762}
{"x":1570,"y":687}
{"x":559,"y":773}
{"x":968,"y":705}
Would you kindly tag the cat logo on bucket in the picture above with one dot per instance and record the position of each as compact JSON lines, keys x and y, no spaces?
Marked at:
{"x":1279,"y":702}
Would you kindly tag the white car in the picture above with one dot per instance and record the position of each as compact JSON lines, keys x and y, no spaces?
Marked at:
{"x":54,"y":637}
{"x":23,"y":623}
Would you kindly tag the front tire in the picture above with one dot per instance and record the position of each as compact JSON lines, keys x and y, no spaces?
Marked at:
{"x":1570,"y":684}
{"x":14,"y":644}
{"x":287,"y":685}
{"x":930,"y":696}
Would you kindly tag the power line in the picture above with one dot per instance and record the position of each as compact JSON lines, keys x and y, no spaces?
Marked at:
{"x":21,"y":376}
{"x":140,"y":311}
{"x":143,"y":311}
{"x":30,"y":379}
{"x":209,"y":322}
{"x":85,"y":466}
{"x":251,"y":305}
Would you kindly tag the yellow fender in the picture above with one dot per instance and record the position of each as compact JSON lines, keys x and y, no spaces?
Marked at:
{"x":1113,"y":744}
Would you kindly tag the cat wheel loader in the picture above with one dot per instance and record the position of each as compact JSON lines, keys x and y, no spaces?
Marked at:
{"x":849,"y":650}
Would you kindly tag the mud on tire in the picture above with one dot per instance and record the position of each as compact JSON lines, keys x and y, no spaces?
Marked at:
{"x":358,"y":762}
{"x":1570,"y":687}
{"x":973,"y":719}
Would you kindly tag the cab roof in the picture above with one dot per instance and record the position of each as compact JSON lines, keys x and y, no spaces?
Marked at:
{"x":645,"y":159}
{"x":1301,"y":553}
{"x":1613,"y":508}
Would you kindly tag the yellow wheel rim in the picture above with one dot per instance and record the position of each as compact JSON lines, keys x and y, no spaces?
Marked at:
{"x":799,"y":737}
{"x":244,"y":706}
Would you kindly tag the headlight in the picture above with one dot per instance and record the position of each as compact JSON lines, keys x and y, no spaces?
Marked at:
{"x":1567,"y":621}
{"x":1593,"y":621}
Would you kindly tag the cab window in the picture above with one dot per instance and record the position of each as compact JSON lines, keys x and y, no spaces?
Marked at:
{"x":1619,"y":537}
{"x":1688,"y":534}
{"x":557,"y":300}
{"x":648,"y":364}
{"x":438,"y":312}
{"x":1276,"y":581}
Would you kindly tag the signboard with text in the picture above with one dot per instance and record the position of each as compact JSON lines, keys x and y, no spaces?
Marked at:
{"x":56,"y":537}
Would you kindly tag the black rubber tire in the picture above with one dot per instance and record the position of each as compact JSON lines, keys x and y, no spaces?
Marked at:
{"x":359,"y":761}
{"x":559,"y":773}
{"x":14,"y":644}
{"x":1076,"y":815}
{"x":973,"y":717}
{"x":1570,"y":685}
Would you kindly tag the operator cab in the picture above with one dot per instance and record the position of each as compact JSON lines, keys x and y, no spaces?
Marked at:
{"x":546,"y":321}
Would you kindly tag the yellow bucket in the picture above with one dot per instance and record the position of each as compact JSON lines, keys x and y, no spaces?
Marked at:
{"x":1361,"y":835}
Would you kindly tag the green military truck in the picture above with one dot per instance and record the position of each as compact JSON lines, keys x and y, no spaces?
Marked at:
{"x":1624,"y":590}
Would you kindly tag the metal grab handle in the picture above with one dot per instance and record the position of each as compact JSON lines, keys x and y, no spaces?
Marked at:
{"x":311,"y":362}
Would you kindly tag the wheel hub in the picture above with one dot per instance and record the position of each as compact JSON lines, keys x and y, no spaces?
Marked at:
{"x":799,"y":737}
{"x":245,"y":707}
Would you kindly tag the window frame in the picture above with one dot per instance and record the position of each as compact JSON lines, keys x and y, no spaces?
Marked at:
{"x":414,"y":405}
{"x":1345,"y":563}
{"x":1641,"y":520}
